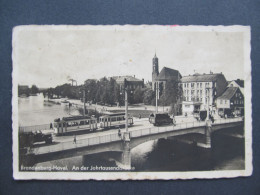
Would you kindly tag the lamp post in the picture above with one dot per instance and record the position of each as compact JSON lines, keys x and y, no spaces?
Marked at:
{"x":208,"y":90}
{"x":84,"y":104}
{"x":126,"y":110}
{"x":156,"y":96}
{"x":126,"y":134}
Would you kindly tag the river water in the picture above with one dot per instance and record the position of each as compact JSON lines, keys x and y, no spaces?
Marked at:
{"x":227,"y":152}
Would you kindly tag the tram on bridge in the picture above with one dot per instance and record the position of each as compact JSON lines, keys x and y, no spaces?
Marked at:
{"x":74,"y":124}
{"x":114,"y":120}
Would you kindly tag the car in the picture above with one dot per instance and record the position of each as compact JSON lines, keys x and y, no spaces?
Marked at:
{"x":160,"y":119}
{"x":29,"y":138}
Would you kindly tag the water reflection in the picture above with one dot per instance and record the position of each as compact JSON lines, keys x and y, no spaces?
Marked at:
{"x":35,"y":110}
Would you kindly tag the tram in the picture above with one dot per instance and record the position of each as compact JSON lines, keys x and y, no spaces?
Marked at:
{"x":76,"y":123}
{"x":114,"y":120}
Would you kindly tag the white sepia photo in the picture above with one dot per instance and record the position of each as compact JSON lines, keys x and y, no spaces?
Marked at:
{"x":131,"y":102}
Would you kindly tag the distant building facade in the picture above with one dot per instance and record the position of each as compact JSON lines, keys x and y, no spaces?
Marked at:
{"x":231,"y":101}
{"x":132,"y":81}
{"x":200,"y":91}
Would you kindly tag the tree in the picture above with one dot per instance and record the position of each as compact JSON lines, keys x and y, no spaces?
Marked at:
{"x":172,"y":95}
{"x":138,"y":95}
{"x":34,"y":89}
{"x":148,"y":97}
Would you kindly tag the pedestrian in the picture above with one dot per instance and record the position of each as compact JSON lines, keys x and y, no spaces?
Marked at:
{"x":74,"y":140}
{"x":173,"y":121}
{"x":119,"y":132}
{"x":51,"y":127}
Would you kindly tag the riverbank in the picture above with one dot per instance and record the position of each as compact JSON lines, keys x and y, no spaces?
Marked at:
{"x":103,"y":108}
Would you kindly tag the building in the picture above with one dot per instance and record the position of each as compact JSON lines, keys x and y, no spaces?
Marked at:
{"x":132,"y":81}
{"x":23,"y":90}
{"x":200,"y":91}
{"x":237,"y":83}
{"x":166,"y":74}
{"x":231,"y":101}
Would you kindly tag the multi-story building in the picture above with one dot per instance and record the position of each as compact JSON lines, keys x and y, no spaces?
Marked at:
{"x":231,"y":101}
{"x":132,"y":81}
{"x":200,"y":91}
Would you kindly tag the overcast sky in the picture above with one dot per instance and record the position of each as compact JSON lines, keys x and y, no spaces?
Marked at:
{"x":49,"y":57}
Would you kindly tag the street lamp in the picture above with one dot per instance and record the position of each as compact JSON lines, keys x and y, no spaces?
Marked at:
{"x":208,"y":90}
{"x":84,"y":100}
{"x":126,"y":105}
{"x":156,"y":96}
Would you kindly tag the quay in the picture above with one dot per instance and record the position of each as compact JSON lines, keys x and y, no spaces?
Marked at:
{"x":110,"y":142}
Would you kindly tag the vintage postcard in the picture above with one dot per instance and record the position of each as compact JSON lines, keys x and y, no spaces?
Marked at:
{"x":131,"y":102}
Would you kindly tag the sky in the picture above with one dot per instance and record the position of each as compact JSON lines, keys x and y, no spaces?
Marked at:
{"x":49,"y":56}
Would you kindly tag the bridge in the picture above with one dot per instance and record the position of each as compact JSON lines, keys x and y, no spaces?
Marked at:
{"x":111,"y":142}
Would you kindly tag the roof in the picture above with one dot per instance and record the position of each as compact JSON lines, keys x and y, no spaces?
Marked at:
{"x":72,"y":118}
{"x":201,"y":78}
{"x":128,"y":78}
{"x":113,"y":114}
{"x":167,"y":74}
{"x":240,"y":82}
{"x":229,"y":93}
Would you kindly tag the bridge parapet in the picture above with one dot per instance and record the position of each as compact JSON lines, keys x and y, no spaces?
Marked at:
{"x":113,"y":137}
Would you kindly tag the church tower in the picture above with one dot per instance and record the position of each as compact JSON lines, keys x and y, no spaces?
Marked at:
{"x":155,"y":70}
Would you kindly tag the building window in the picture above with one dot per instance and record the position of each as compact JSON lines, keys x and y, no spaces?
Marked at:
{"x":225,"y":101}
{"x":200,"y":85}
{"x":187,"y":106}
{"x":192,"y":85}
{"x":221,"y":101}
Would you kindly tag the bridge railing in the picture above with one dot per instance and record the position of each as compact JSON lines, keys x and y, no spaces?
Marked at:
{"x":155,"y":130}
{"x":135,"y":133}
{"x":227,"y":120}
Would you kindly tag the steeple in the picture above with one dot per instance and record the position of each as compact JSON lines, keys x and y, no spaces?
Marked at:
{"x":155,"y":64}
{"x":155,"y":69}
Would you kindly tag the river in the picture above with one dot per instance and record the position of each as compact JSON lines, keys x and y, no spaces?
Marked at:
{"x":227,"y":152}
